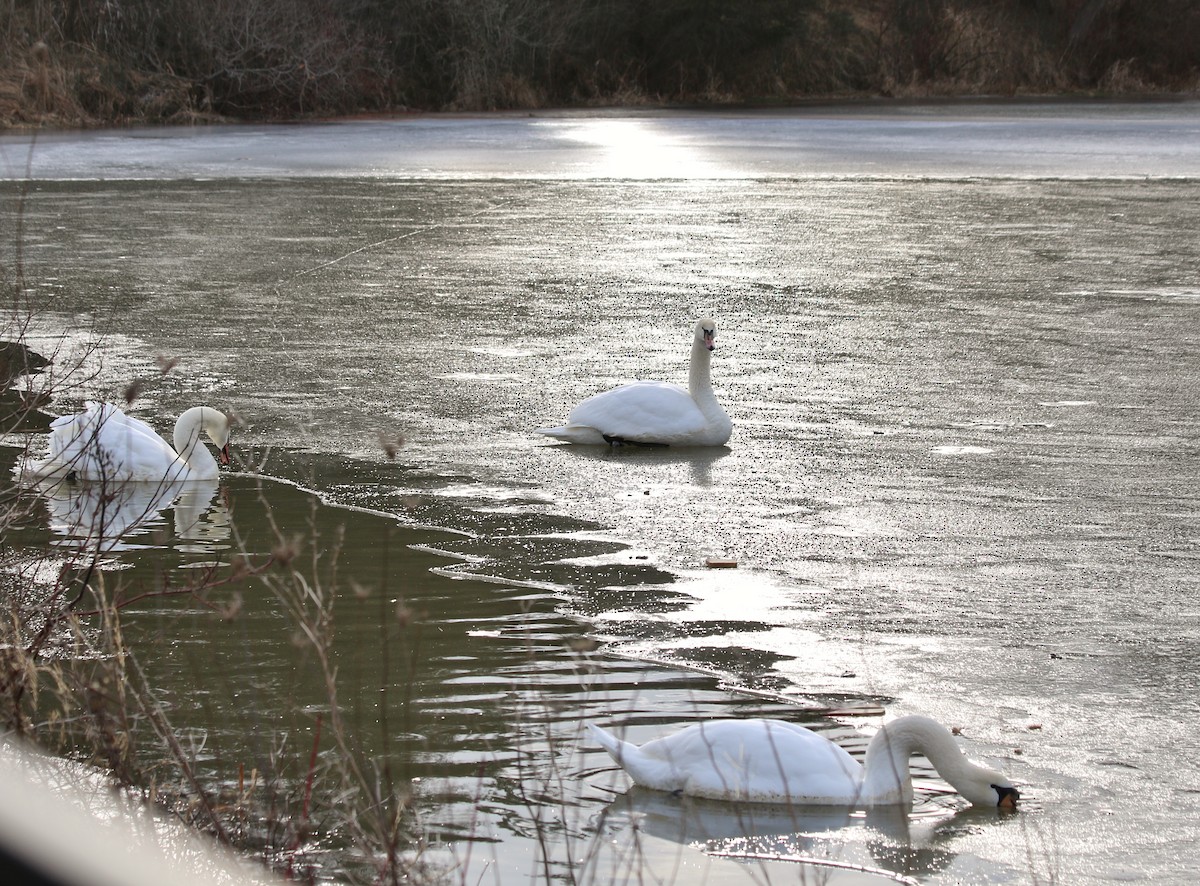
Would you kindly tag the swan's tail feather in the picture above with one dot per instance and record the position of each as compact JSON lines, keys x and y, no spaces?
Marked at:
{"x":574,"y":434}
{"x":617,"y":749}
{"x":643,"y":769}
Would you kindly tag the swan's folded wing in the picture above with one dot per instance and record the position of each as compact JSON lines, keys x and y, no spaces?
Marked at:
{"x":761,"y":761}
{"x":104,"y":443}
{"x":73,"y":442}
{"x":646,"y":412}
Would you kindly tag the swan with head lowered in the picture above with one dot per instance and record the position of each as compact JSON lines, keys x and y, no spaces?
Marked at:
{"x":772,"y":761}
{"x":654,"y":413}
{"x":103,"y":443}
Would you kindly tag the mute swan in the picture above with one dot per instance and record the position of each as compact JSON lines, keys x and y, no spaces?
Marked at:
{"x":103,"y":443}
{"x":771,"y":761}
{"x":652,"y":412}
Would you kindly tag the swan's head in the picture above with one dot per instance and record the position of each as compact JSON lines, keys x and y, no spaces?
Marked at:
{"x":212,"y":422}
{"x":987,"y":787}
{"x":706,"y":333}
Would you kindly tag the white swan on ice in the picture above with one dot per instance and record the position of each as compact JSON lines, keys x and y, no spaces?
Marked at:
{"x":772,"y":761}
{"x":655,"y":413}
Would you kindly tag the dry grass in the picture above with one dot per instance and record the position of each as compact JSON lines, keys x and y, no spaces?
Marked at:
{"x":78,"y":87}
{"x":168,"y":62}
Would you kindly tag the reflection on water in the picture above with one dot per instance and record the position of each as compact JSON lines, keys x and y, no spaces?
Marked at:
{"x":471,"y":692}
{"x":884,"y":838}
{"x":99,"y":517}
{"x":200,"y":524}
{"x":661,"y":835}
{"x":639,"y":149}
{"x":698,"y":462}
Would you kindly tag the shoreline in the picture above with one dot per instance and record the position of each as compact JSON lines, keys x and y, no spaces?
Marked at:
{"x":977,"y":142}
{"x":783,"y":106}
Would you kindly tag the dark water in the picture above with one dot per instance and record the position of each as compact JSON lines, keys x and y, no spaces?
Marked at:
{"x":962,"y":480}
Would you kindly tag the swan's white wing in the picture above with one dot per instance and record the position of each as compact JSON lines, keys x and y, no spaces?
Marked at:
{"x":759,"y":760}
{"x":104,"y":443}
{"x":642,"y":412}
{"x":75,"y":442}
{"x":151,"y":459}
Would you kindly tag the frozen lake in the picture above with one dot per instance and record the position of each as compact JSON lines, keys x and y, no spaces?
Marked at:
{"x":999,"y":139}
{"x":958,"y":343}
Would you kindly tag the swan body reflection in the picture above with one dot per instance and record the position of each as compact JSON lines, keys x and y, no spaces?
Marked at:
{"x":99,"y":515}
{"x":884,"y":838}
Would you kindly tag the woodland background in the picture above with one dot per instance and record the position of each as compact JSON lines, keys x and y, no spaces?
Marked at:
{"x":104,"y":62}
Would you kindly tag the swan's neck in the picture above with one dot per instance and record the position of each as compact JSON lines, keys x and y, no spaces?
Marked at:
{"x":700,"y":373}
{"x":191,"y":451}
{"x":887,"y":778}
